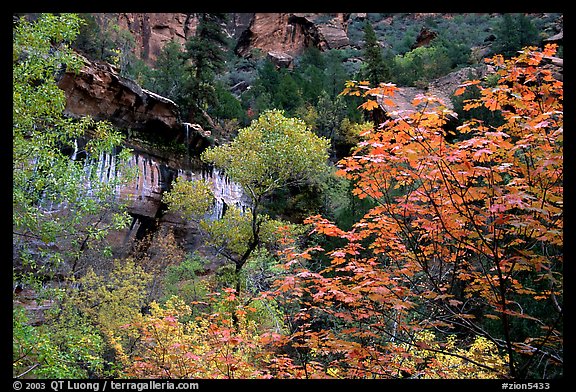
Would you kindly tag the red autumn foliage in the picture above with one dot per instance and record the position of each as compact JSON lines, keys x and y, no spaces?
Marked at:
{"x":465,"y":238}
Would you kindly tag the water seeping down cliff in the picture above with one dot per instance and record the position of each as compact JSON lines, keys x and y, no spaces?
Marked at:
{"x":153,"y":176}
{"x":150,"y":123}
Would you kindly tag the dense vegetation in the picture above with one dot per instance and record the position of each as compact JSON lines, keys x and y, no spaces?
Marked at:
{"x":403,"y":247}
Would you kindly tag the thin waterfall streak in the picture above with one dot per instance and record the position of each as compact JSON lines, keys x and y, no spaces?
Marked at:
{"x":75,"y":153}
{"x":152,"y":179}
{"x":226,"y":192}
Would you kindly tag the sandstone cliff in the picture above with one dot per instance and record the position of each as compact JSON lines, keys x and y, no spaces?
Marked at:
{"x":99,"y":91}
{"x":290,"y":33}
{"x":152,"y":31}
{"x":287,"y":33}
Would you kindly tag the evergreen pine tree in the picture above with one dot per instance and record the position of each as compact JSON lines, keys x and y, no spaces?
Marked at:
{"x":170,"y":77}
{"x":206,"y":51}
{"x":513,"y":32}
{"x":375,"y":68}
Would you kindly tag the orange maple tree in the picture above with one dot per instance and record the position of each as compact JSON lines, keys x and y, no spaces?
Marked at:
{"x":465,"y":242}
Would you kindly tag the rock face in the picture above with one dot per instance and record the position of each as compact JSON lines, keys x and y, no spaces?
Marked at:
{"x":425,"y":36}
{"x":237,"y":23}
{"x":143,"y":193}
{"x":154,"y":176}
{"x":152,"y":31}
{"x":281,"y":59}
{"x":99,"y":91}
{"x":442,"y":88}
{"x":327,"y":31}
{"x":290,"y":33}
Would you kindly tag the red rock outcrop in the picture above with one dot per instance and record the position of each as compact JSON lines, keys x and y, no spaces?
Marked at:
{"x":425,"y":36}
{"x":99,"y":91}
{"x":152,"y":31}
{"x":291,"y":33}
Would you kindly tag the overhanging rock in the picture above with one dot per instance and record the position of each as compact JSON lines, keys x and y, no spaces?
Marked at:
{"x":99,"y":91}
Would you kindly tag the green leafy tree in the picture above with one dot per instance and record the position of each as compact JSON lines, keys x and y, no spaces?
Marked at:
{"x":228,"y":107}
{"x":94,"y":37}
{"x":191,"y":198}
{"x":268,"y":77}
{"x":310,"y":74}
{"x":272,"y":153}
{"x":331,"y":112}
{"x":69,"y":347}
{"x":312,"y":56}
{"x":53,"y":195}
{"x":419,"y":66}
{"x":312,"y":82}
{"x":100,"y":38}
{"x":288,"y":96}
{"x":334,"y":74}
{"x":184,"y":280}
{"x":107,"y":303}
{"x":261,"y":95}
{"x":458,"y":52}
{"x":114,"y":298}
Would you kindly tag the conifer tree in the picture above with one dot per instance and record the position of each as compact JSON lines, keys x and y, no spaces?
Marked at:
{"x":169,"y":77}
{"x":206,"y":51}
{"x":375,"y":69}
{"x":513,"y":32}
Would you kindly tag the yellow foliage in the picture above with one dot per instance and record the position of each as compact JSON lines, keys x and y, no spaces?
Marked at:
{"x":206,"y":347}
{"x":480,"y":360}
{"x":114,"y":301}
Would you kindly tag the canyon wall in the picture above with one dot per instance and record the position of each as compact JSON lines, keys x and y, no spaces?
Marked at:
{"x":287,"y":33}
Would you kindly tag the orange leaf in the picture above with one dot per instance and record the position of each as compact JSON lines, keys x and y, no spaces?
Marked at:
{"x":459,"y":91}
{"x":389,"y":102}
{"x":369,"y":105}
